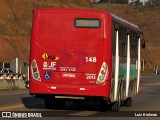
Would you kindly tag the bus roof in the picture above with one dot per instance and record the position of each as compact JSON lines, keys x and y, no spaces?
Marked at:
{"x":124,"y":22}
{"x":81,"y":10}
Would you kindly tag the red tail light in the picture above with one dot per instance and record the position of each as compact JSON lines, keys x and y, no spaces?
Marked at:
{"x":35,"y":71}
{"x":103,"y":73}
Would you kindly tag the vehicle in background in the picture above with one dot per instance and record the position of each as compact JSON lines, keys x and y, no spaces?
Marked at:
{"x":6,"y":70}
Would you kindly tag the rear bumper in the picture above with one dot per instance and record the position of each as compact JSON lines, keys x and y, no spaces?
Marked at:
{"x":43,"y":88}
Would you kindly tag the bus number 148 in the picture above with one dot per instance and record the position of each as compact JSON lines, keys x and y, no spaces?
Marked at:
{"x":91,"y":59}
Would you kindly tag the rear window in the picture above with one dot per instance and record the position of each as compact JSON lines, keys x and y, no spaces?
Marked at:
{"x":86,"y":23}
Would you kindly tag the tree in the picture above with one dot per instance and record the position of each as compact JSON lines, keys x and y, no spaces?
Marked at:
{"x":152,"y":3}
{"x":155,"y":2}
{"x":119,"y":1}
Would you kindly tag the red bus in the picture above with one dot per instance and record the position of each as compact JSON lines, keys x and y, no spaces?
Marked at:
{"x":84,"y":55}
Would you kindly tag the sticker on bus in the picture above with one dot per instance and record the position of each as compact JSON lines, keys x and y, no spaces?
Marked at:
{"x":50,"y":57}
{"x":69,"y":75}
{"x":49,"y":65}
{"x":65,"y":69}
{"x":47,"y":75}
{"x":90,"y":76}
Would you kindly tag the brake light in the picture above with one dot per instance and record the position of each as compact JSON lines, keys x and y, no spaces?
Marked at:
{"x":103,"y":73}
{"x":35,"y":71}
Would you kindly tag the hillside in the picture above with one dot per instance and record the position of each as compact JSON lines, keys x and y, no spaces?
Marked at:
{"x":16,"y":22}
{"x":148,"y":20}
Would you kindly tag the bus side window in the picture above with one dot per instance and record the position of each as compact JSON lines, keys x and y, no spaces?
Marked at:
{"x":143,"y":43}
{"x":114,"y":42}
{"x":123,"y":41}
{"x":120,"y":41}
{"x":134,"y":44}
{"x":124,"y":45}
{"x":114,"y":38}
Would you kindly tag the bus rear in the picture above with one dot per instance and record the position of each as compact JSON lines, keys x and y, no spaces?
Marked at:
{"x":68,"y":53}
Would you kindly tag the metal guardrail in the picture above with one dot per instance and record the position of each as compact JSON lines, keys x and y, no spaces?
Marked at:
{"x":157,"y":70}
{"x":12,"y":81}
{"x":13,"y":76}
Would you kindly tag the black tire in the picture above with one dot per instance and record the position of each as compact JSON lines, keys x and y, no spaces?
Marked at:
{"x":59,"y":103}
{"x":103,"y":106}
{"x":49,"y":103}
{"x":128,"y":102}
{"x":77,"y":102}
{"x":121,"y":94}
{"x":115,"y":107}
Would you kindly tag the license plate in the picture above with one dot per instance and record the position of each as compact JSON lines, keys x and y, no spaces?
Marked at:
{"x":69,"y":75}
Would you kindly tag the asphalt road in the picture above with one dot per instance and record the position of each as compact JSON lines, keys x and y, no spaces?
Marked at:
{"x":147,"y":101}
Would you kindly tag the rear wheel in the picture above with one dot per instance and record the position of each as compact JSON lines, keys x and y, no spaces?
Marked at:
{"x":49,"y":103}
{"x":103,"y":106}
{"x":115,"y":106}
{"x":59,"y":103}
{"x":128,"y":102}
{"x":52,"y":103}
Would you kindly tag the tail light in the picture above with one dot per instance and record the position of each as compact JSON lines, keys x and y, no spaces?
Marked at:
{"x":35,"y":71}
{"x":103,"y":73}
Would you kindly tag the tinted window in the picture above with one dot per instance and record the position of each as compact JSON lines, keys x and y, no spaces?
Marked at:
{"x":87,"y":23}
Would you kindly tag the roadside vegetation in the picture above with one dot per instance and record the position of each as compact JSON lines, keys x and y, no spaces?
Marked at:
{"x":16,"y":22}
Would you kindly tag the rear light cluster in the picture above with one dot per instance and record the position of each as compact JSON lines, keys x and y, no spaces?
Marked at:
{"x":102,"y":74}
{"x":35,"y":71}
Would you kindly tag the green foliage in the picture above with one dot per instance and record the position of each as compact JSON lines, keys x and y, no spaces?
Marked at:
{"x":152,"y":3}
{"x":111,"y":1}
{"x":119,"y":1}
{"x":156,"y":2}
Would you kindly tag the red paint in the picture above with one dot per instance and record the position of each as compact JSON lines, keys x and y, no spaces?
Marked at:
{"x":54,"y":33}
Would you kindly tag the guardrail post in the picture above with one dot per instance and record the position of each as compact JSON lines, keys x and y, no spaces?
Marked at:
{"x":156,"y":69}
{"x":16,"y":65}
{"x":20,"y":69}
{"x":143,"y":65}
{"x":28,"y":73}
{"x":3,"y":65}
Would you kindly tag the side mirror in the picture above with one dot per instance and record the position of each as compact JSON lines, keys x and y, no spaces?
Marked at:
{"x":143,"y":43}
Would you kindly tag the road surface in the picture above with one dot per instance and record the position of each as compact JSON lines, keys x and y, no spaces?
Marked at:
{"x":146,"y":102}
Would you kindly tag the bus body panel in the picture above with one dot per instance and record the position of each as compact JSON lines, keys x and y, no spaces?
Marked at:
{"x":71,"y":57}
